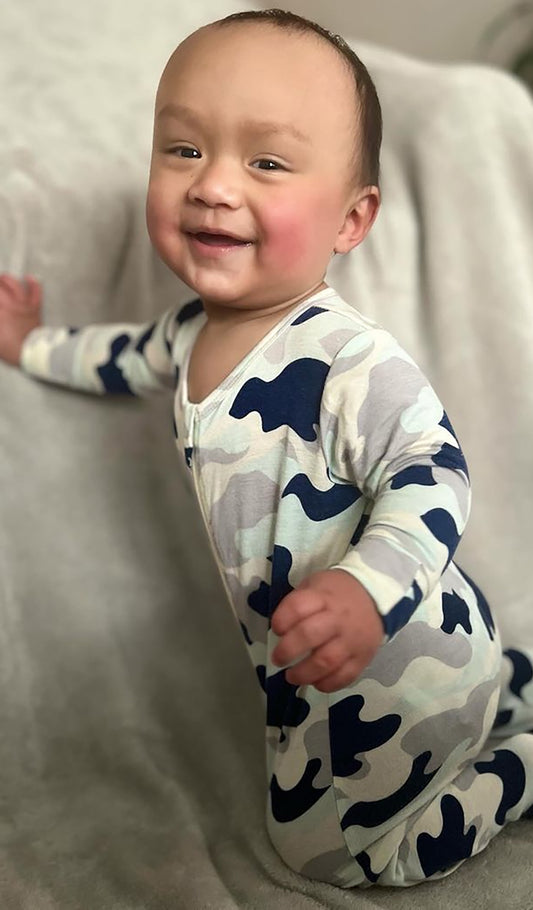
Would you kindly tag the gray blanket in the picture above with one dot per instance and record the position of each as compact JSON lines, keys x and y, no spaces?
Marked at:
{"x":127,"y":780}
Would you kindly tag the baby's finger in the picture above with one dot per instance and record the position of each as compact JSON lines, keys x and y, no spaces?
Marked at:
{"x":309,"y":633}
{"x":322,"y":663}
{"x":341,"y":678}
{"x":10,"y":288}
{"x":10,"y":281}
{"x":297,"y":605}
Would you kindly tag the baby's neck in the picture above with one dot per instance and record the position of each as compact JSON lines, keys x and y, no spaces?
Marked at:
{"x":223,"y":342}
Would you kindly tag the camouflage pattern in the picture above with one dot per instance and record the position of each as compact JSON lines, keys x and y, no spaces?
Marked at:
{"x":327,"y":447}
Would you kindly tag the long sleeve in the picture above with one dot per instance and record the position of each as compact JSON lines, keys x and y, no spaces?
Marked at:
{"x":123,"y":358}
{"x":385,"y":432}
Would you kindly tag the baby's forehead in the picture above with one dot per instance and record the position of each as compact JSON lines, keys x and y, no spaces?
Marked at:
{"x":310,"y":57}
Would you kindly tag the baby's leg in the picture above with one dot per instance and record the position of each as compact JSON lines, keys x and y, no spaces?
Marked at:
{"x":491,"y":791}
{"x":395,"y":779}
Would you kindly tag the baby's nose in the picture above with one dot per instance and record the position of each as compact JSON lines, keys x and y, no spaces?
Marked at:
{"x":217,"y":183}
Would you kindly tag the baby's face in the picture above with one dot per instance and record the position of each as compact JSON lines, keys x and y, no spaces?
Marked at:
{"x":253,"y":141}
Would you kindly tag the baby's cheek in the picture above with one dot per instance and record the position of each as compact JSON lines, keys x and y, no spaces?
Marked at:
{"x":160,"y":221}
{"x":153,"y":216}
{"x":290,"y":237}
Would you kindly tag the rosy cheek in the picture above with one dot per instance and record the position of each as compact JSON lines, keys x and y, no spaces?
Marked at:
{"x":288,"y":233}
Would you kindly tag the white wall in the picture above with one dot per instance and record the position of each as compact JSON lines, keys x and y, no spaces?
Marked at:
{"x":434,"y":29}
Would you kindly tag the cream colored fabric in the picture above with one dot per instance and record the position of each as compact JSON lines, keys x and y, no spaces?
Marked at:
{"x":127,"y":779}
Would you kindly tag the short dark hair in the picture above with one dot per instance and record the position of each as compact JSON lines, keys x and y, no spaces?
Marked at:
{"x":369,"y":116}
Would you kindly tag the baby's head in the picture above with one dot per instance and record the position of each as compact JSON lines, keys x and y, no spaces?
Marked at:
{"x":267,"y":131}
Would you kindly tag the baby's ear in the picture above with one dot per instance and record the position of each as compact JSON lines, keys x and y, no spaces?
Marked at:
{"x":359,"y":219}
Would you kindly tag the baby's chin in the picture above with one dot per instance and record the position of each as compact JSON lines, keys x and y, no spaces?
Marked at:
{"x":229,"y":300}
{"x":225,"y":291}
{"x":220,"y":290}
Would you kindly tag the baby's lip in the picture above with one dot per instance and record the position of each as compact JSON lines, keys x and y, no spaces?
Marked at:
{"x":218,"y":232}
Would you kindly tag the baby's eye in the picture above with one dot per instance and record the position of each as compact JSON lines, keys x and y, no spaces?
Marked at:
{"x":184,"y":151}
{"x":270,"y":165}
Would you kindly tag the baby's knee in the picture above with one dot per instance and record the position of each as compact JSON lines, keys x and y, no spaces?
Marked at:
{"x":390,"y":862}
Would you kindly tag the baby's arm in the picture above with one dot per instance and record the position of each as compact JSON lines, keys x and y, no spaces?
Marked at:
{"x":390,"y":436}
{"x":124,"y":358}
{"x":386,"y":432}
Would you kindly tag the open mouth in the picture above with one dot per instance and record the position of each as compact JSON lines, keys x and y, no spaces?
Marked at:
{"x":219,"y":239}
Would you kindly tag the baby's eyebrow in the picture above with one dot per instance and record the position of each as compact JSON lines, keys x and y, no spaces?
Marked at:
{"x":264,"y":127}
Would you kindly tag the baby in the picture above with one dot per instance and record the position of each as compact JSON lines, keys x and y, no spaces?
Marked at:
{"x":329,"y":477}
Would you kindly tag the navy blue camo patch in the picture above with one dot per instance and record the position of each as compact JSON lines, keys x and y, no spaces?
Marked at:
{"x":145,"y":337}
{"x":110,"y":374}
{"x":443,"y":527}
{"x":401,"y":612}
{"x":319,"y":505}
{"x":364,"y":861}
{"x":456,"y":613}
{"x":503,"y":718}
{"x":290,"y":804}
{"x":350,"y":735}
{"x":450,"y":457}
{"x":522,"y":671}
{"x":436,"y":854}
{"x":260,"y":600}
{"x":189,"y":310}
{"x":360,"y":529}
{"x":284,"y":707}
{"x":420,"y":474}
{"x":292,"y":398}
{"x":483,"y":606}
{"x":508,"y":767}
{"x":445,"y":422}
{"x":266,"y":597}
{"x":308,"y":314}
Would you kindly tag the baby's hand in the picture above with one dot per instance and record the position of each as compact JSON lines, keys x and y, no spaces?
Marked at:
{"x":332,"y":615}
{"x":20,"y":312}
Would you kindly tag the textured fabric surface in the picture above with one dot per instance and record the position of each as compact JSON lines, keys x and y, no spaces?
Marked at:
{"x":128,"y":779}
